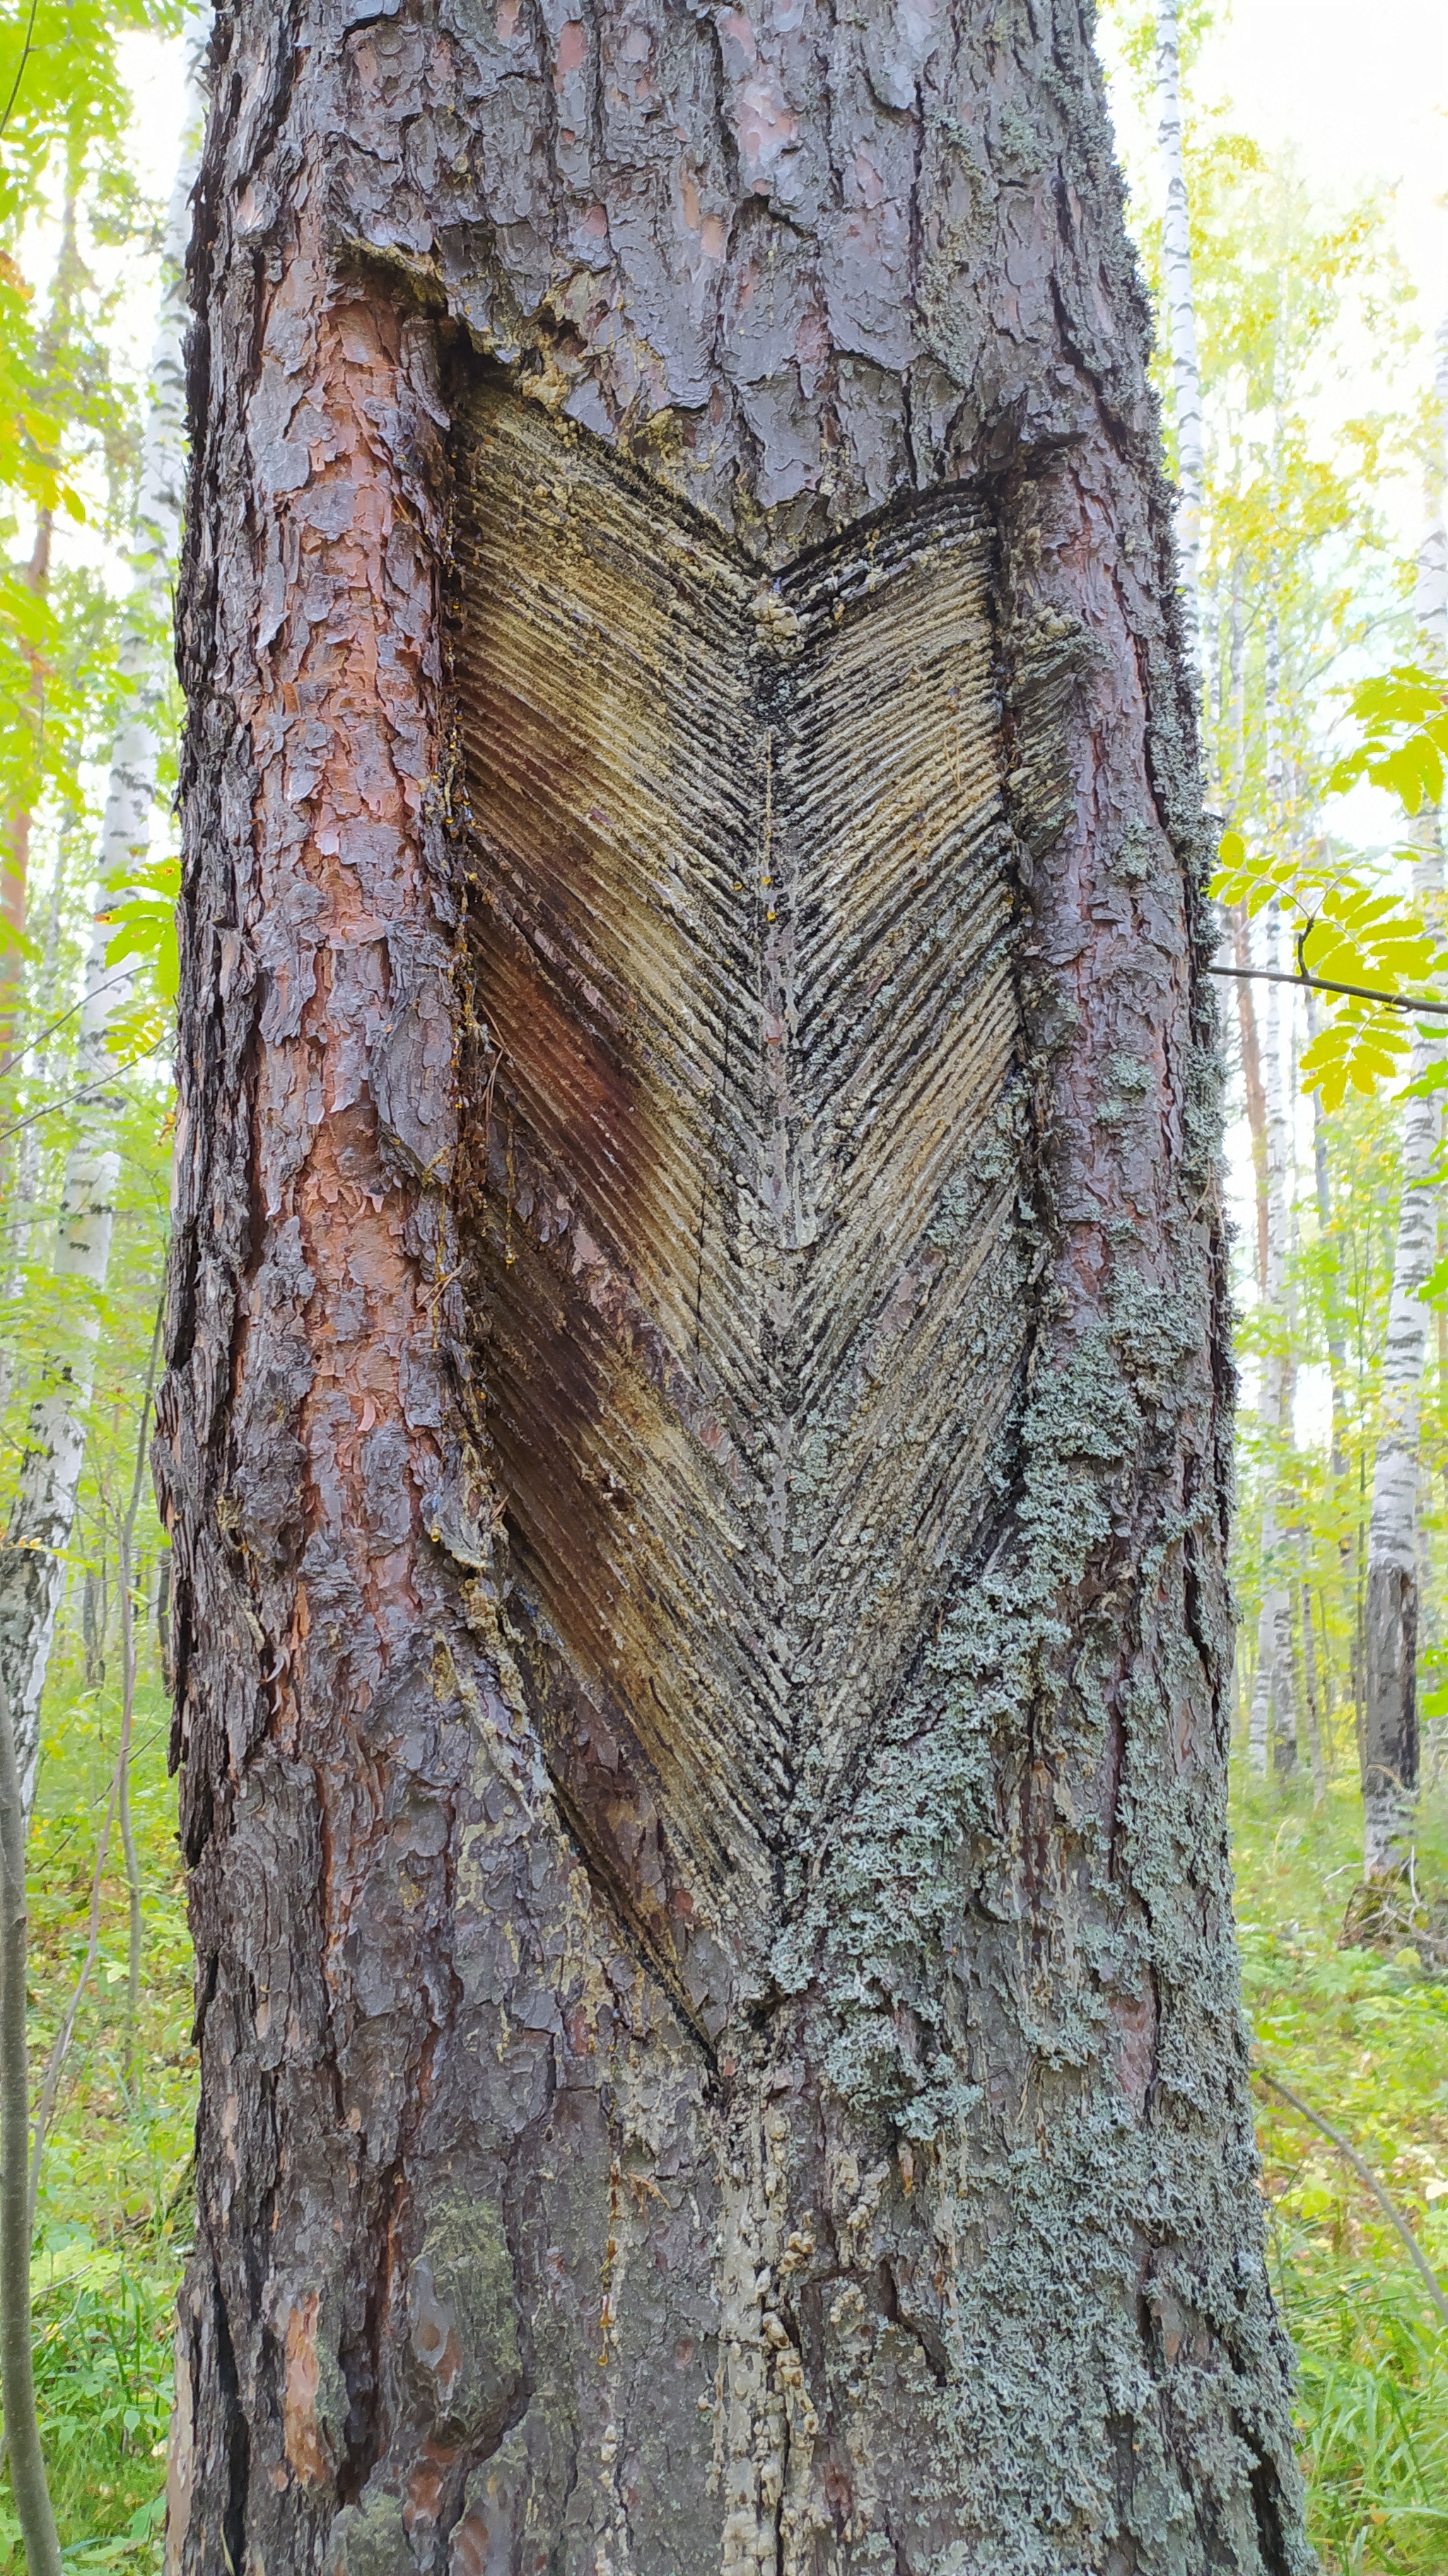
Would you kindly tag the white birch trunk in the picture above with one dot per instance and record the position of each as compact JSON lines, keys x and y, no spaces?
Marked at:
{"x":1390,"y":1769}
{"x":1430,"y":594}
{"x":1390,"y":1766}
{"x":1182,"y":318}
{"x":1312,"y":1706}
{"x":32,"y":1562}
{"x":1272,"y":1687}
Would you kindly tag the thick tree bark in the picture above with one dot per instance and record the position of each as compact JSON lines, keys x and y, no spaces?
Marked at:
{"x":696,"y":1433}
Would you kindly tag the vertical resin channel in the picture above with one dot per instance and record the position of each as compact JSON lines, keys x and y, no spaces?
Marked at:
{"x":748,"y":1266}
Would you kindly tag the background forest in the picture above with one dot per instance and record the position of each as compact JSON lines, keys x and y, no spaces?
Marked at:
{"x":1323,"y":379}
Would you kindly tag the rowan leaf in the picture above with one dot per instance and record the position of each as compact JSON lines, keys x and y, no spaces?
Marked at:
{"x":1403,"y":743}
{"x":144,"y":915}
{"x":1434,"y":1291}
{"x":1362,"y":1046}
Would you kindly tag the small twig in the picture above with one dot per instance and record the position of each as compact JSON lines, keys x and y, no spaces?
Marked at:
{"x":94,"y":1092}
{"x":59,"y":1022}
{"x":24,"y":59}
{"x":1321,"y":984}
{"x":91,"y":1805}
{"x":1365,"y":2174}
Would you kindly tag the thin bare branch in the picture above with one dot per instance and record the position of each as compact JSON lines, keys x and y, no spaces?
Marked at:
{"x":1366,"y":2176}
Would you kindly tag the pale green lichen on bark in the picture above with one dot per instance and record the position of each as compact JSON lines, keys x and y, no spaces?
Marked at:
{"x":370,"y":2538}
{"x":918,"y":1885}
{"x":461,"y":2302}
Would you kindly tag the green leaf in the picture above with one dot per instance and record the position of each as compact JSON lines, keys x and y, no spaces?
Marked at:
{"x":1403,"y":739}
{"x":1434,"y":1291}
{"x":144,"y":914}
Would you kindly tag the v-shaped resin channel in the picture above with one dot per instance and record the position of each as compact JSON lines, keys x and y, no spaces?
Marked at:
{"x":748,"y":1258}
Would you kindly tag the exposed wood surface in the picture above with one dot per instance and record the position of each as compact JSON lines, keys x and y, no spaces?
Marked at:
{"x":748,"y":1273}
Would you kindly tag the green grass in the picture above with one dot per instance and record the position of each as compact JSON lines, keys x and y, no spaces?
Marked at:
{"x":1362,"y":2038}
{"x":113,"y":2214}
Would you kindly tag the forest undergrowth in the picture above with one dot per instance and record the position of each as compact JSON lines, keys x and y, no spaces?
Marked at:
{"x":1359,"y":2034}
{"x":113,"y":2211}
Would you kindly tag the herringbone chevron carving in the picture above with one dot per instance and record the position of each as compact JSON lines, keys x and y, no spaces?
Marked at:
{"x":750,"y":1270}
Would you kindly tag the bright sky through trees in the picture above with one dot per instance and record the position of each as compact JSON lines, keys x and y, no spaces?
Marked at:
{"x":1360,"y":94}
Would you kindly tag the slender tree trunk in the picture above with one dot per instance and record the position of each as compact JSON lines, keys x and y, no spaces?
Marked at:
{"x":1176,"y":248}
{"x":21,"y":1211}
{"x":55,"y":356}
{"x":1312,"y":1706}
{"x":695,"y":1438}
{"x":1273,"y":1723}
{"x":1256,"y":1097}
{"x":1390,"y":1716}
{"x":1390,"y":1773}
{"x":17,"y":2378}
{"x":32,"y":1561}
{"x":15,"y":862}
{"x":1272,"y":1687}
{"x":163,"y":1617}
{"x":125,"y":1559}
{"x":1332,"y":1290}
{"x":93,"y":1627}
{"x":1256,"y":1101}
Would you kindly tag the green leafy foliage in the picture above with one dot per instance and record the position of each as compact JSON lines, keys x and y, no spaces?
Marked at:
{"x":1346,"y":930}
{"x":63,"y":145}
{"x":1296,"y":586}
{"x":144,"y":911}
{"x":1403,"y":737}
{"x":115,"y":2208}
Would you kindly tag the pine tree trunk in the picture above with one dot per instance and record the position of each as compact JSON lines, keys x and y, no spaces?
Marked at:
{"x":696,"y":1433}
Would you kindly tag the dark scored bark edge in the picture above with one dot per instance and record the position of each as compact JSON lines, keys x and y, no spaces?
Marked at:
{"x":955,"y":2263}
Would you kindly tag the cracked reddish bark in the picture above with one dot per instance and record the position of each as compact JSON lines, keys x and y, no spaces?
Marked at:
{"x":796,"y":2118}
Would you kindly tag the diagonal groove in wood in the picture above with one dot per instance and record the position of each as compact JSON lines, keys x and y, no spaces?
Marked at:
{"x":749,"y":1273}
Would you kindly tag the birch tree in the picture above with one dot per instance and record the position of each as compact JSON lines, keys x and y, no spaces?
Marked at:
{"x":33,"y":1566}
{"x":1271,"y":1703}
{"x":1390,"y":1750}
{"x":690,"y":1320}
